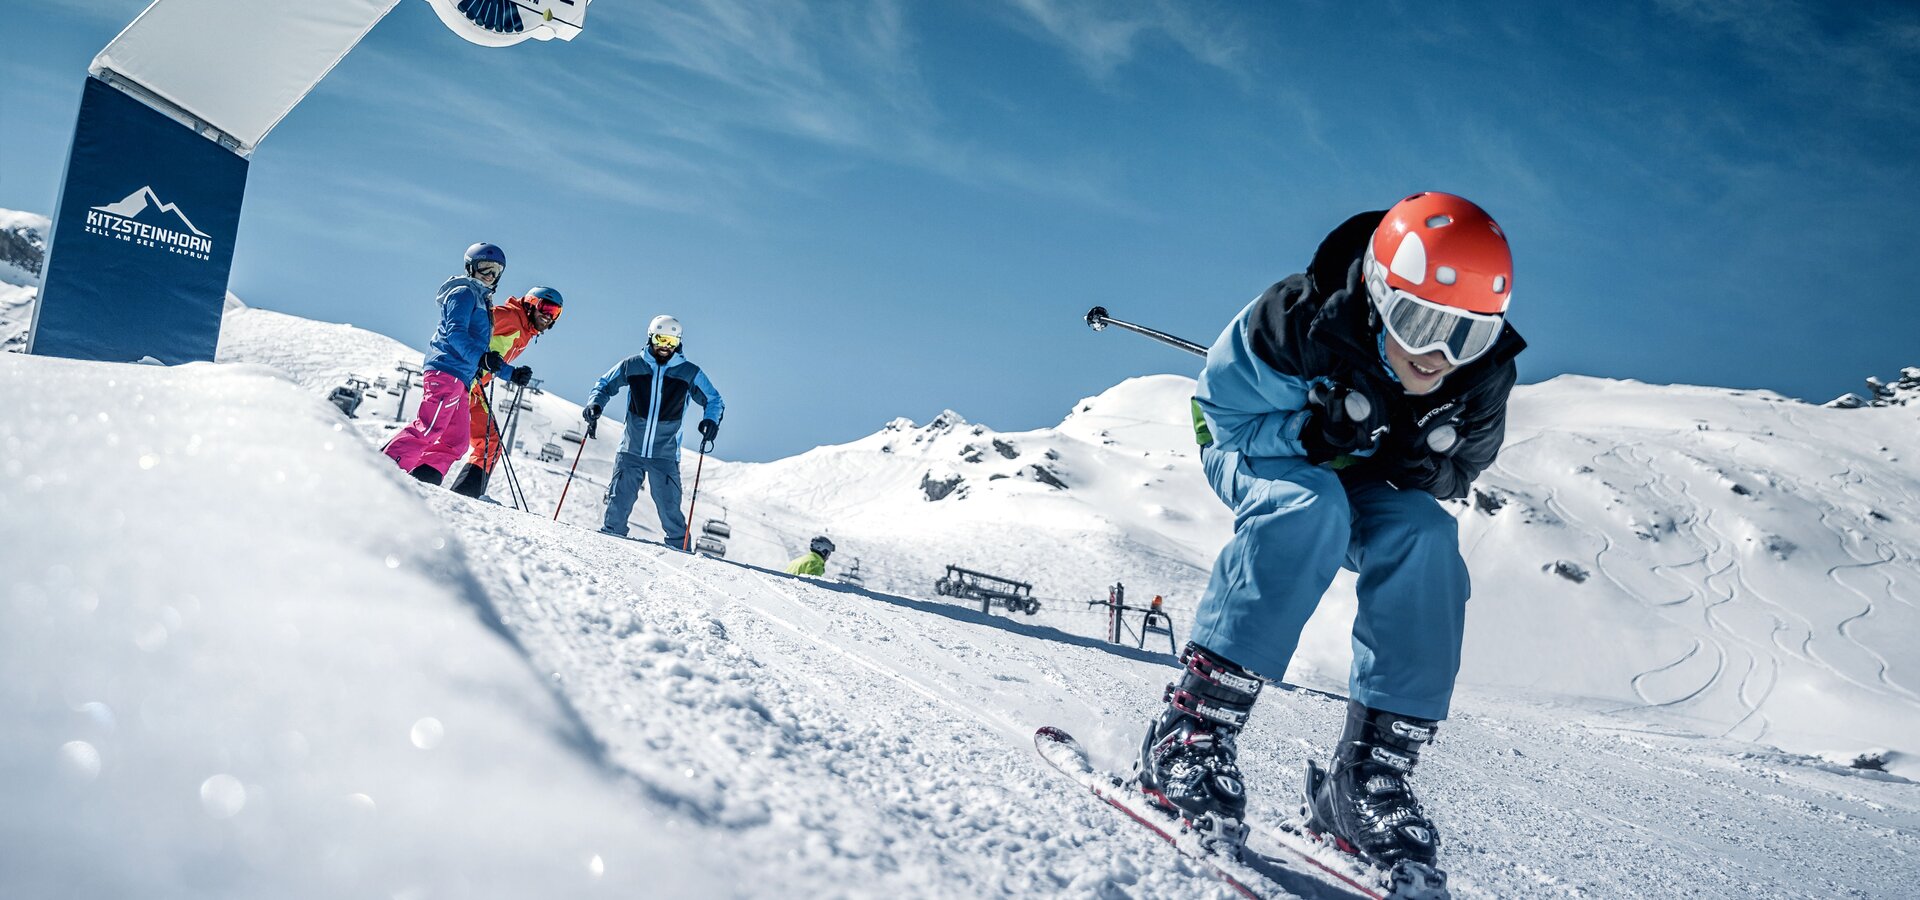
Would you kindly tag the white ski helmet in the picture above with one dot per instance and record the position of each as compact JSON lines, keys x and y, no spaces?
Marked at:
{"x":666,"y":325}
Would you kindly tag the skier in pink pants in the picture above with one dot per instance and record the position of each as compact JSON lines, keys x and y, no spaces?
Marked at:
{"x":438,"y":435}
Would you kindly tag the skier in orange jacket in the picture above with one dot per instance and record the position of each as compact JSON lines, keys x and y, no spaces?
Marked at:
{"x":515,"y":324}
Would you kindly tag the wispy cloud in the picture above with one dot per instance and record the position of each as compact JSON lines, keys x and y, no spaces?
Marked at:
{"x":711,"y":100}
{"x":1103,"y":35}
{"x":1853,"y":56}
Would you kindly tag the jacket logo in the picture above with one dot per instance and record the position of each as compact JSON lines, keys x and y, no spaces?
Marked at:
{"x":1422,"y":423}
{"x":140,"y":218}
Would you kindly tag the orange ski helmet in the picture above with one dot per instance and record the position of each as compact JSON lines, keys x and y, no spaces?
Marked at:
{"x":1441,"y":275}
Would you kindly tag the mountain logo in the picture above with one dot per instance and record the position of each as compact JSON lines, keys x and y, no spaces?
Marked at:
{"x":141,"y":218}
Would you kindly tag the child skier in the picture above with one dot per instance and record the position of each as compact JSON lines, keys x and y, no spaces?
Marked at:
{"x":428,"y":446}
{"x":515,"y":325}
{"x":658,"y":383}
{"x":1334,"y":413}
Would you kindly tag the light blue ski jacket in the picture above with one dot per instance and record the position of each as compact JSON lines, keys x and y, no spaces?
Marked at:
{"x":657,"y":401}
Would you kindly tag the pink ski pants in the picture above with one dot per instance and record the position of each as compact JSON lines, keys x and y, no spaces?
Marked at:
{"x":438,"y":434}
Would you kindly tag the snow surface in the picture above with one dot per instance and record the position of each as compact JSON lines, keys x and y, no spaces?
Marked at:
{"x":1678,"y":723}
{"x":238,"y":657}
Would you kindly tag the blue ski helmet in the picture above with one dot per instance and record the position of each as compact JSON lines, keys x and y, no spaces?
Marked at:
{"x":544,"y":294}
{"x":484,"y":252}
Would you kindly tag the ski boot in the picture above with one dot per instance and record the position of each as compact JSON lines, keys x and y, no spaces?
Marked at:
{"x":426,"y":473}
{"x":1187,"y":763}
{"x":471,"y":482}
{"x":1364,"y":805}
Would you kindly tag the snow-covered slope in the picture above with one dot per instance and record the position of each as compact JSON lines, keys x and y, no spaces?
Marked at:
{"x":1749,"y":562}
{"x":239,"y":658}
{"x":1693,"y":607}
{"x":245,"y":656}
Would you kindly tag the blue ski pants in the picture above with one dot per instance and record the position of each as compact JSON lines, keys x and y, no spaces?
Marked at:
{"x":663,"y":479}
{"x":1294,"y":526}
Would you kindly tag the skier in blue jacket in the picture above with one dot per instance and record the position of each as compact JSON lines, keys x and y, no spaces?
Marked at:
{"x":658,"y":383}
{"x":1334,"y":413}
{"x":438,"y":435}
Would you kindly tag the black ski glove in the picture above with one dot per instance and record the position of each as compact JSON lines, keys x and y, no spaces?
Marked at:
{"x":1342,"y":421}
{"x":591,"y":413}
{"x":522,"y":375}
{"x":709,"y":429}
{"x":1414,"y":458}
{"x":491,"y":362}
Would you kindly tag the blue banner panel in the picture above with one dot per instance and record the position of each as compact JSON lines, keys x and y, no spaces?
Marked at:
{"x":142,"y":239}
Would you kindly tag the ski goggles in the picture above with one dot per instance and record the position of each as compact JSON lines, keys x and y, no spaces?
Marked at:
{"x":548,"y":308}
{"x":1422,"y":326}
{"x":488,"y":268}
{"x":665,"y":341}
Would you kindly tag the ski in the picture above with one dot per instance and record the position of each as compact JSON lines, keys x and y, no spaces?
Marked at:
{"x":1407,"y":880}
{"x":1252,"y":874}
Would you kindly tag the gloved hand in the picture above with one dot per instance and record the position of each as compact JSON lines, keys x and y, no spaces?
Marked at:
{"x":1341,"y":421}
{"x":591,"y":413}
{"x":709,"y":429}
{"x":1412,"y":456}
{"x":491,"y":362}
{"x":522,"y":375}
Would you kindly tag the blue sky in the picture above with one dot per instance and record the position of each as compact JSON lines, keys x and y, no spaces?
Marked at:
{"x":862,"y":210}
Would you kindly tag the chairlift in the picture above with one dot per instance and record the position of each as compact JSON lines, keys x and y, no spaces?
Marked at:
{"x":851,"y":574}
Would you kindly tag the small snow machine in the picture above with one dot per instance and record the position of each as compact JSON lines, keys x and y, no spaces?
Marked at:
{"x":990,"y":590}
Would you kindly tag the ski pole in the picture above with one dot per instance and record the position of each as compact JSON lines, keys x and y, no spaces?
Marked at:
{"x":576,"y":465}
{"x":1098,"y":320}
{"x":686,"y":540}
{"x":513,"y":483}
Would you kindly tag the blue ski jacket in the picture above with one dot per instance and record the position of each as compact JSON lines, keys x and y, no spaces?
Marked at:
{"x":657,"y":401}
{"x":1319,"y":326}
{"x":466,"y":327}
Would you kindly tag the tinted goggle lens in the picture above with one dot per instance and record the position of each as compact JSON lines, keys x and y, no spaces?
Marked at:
{"x":548,"y":308}
{"x":1423,"y":327}
{"x":487,"y":267}
{"x":666,"y":342}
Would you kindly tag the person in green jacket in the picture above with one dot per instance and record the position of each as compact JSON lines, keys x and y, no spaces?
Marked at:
{"x":814,"y":561}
